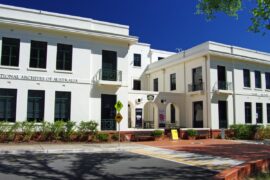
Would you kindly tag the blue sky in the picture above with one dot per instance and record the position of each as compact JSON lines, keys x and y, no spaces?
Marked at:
{"x":165,"y":24}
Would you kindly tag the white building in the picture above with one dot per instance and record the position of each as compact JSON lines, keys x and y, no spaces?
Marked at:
{"x":55,"y":66}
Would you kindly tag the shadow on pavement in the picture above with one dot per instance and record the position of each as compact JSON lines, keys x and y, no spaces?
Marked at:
{"x":95,"y":166}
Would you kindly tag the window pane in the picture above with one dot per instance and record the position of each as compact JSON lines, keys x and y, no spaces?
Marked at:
{"x":35,"y":105}
{"x":258,"y":83}
{"x":137,"y":60}
{"x":259,"y":113}
{"x":156,"y":84}
{"x":38,"y":54}
{"x":62,"y":106}
{"x":268,"y":113}
{"x":246,"y":74}
{"x":248,"y":112}
{"x":10,"y":51}
{"x":173,"y":81}
{"x":64,"y":57}
{"x":267,"y":80}
{"x":136,"y":84}
{"x":8,"y":104}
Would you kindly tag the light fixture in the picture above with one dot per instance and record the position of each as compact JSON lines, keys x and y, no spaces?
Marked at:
{"x":163,"y":101}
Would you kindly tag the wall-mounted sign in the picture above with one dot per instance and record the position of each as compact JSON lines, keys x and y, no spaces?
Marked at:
{"x":138,"y":117}
{"x":150,"y":97}
{"x":37,"y":78}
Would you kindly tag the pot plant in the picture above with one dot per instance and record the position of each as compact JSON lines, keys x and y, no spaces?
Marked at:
{"x":158,"y":134}
{"x":191,"y":133}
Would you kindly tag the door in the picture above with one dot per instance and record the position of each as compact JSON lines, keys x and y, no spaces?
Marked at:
{"x":108,"y":112}
{"x":198,"y":114}
{"x":138,"y":118}
{"x":222,"y":113}
{"x":109,"y":65}
{"x":221,"y":77}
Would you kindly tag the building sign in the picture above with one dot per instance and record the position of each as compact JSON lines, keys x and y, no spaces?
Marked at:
{"x":37,"y":78}
{"x":174,"y":133}
{"x":138,"y":116}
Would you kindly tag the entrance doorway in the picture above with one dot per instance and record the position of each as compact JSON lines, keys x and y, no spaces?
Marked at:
{"x":222,"y":113}
{"x":108,"y":112}
{"x":198,"y":114}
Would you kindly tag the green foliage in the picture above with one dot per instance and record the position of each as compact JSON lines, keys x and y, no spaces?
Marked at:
{"x":102,"y":137}
{"x":12,"y":130}
{"x":246,"y":132}
{"x":3,"y":128}
{"x":28,"y":129}
{"x":115,"y":137}
{"x":87,"y":127}
{"x":44,"y":130}
{"x":191,"y":132}
{"x":57,"y":129}
{"x":157,"y":133}
{"x":259,"y":9}
{"x":69,"y":129}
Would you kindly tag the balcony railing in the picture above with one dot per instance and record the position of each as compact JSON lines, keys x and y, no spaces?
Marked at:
{"x":195,"y":87}
{"x":223,"y":85}
{"x":110,"y":75}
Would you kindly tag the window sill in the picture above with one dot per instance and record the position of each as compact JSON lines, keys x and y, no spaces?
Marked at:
{"x":10,"y":67}
{"x":247,"y":88}
{"x":63,"y":71}
{"x":137,"y":67}
{"x":36,"y":69}
{"x":267,"y":90}
{"x":258,"y":89}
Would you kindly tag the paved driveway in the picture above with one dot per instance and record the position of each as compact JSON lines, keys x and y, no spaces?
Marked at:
{"x":106,"y":165}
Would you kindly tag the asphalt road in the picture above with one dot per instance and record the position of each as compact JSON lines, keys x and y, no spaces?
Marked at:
{"x":119,"y":165}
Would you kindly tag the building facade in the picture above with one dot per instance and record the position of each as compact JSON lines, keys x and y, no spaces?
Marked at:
{"x":60,"y":67}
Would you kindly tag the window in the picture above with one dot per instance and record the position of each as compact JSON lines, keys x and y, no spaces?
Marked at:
{"x":38,"y":54}
{"x":268,"y":113}
{"x":64,"y":57}
{"x":8,"y":104}
{"x":259,"y":112}
{"x":156,"y":84}
{"x":160,"y":58}
{"x":137,"y":60}
{"x":267,"y":80}
{"x":246,"y":74}
{"x":248,"y":112}
{"x":258,"y":82}
{"x":62,"y":106}
{"x":35,"y":105}
{"x":173,"y":81}
{"x":10,"y":52}
{"x":136,"y":85}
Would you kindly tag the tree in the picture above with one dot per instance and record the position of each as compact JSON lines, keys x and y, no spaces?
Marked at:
{"x":260,"y":12}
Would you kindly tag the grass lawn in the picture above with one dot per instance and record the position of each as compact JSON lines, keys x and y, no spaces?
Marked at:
{"x":261,"y":176}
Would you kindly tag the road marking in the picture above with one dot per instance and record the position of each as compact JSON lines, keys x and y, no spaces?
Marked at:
{"x":212,"y":163}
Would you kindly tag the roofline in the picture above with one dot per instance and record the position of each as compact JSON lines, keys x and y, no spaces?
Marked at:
{"x":61,"y":15}
{"x":210,"y":48}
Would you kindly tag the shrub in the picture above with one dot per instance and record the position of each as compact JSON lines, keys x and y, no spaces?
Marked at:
{"x":44,"y":129}
{"x":69,"y":129}
{"x":157,"y":133}
{"x":246,"y":132}
{"x":102,"y":137}
{"x":28,"y":129}
{"x":57,"y":129}
{"x":12,"y":130}
{"x":115,"y":137}
{"x":3,"y":130}
{"x":86,"y":127}
{"x":191,"y":132}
